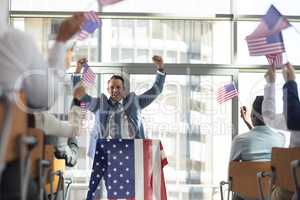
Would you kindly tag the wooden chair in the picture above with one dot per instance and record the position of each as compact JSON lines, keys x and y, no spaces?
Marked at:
{"x":15,"y":144}
{"x":295,"y":164}
{"x":243,"y":179}
{"x":39,"y":164}
{"x":55,"y":179}
{"x":281,"y":174}
{"x":37,"y":151}
{"x":13,"y":122}
{"x":281,"y":166}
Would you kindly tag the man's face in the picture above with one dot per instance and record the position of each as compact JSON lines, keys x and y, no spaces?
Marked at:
{"x":116,"y":89}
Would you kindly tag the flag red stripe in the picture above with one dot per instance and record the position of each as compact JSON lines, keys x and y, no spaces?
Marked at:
{"x":147,"y":145}
{"x":227,"y":97}
{"x":227,"y":94}
{"x":264,"y":45}
{"x":266,"y":48}
{"x":275,"y":59}
{"x":265,"y":52}
{"x":224,"y":95}
{"x":256,"y":39}
{"x":163,"y":190}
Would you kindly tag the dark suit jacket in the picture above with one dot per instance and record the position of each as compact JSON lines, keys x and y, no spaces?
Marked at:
{"x":291,"y":105}
{"x":133,"y":104}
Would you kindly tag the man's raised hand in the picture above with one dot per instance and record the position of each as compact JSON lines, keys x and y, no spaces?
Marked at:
{"x":159,"y":62}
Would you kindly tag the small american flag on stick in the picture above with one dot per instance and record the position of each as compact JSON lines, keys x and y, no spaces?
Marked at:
{"x":226,"y":92}
{"x":91,"y":23}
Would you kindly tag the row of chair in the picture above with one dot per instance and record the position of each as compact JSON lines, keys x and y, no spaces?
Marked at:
{"x":20,"y":142}
{"x":255,"y":180}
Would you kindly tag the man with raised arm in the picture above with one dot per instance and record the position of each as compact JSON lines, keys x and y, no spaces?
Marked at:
{"x":119,"y":115}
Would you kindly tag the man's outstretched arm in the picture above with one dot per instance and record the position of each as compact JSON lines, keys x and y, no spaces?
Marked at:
{"x":290,"y":98}
{"x":149,"y":96}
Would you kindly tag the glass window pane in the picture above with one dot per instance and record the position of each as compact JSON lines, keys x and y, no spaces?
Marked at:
{"x":142,"y":56}
{"x":180,"y":41}
{"x":44,"y":31}
{"x":243,"y":57}
{"x":291,"y":40}
{"x":51,"y":5}
{"x":191,"y":7}
{"x":258,"y":7}
{"x":115,"y":55}
{"x":195,"y":132}
{"x":127,"y":55}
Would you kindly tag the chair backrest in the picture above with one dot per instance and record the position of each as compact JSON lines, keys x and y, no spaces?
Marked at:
{"x":55,"y":165}
{"x":37,"y":151}
{"x":243,"y":178}
{"x":18,"y":127}
{"x":281,"y":165}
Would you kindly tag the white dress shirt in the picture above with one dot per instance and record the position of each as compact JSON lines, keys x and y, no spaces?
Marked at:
{"x":273,"y":119}
{"x":124,"y":126}
{"x":50,"y":125}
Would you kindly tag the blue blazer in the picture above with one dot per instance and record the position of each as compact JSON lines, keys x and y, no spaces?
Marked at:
{"x":132,"y":103}
{"x":291,"y":105}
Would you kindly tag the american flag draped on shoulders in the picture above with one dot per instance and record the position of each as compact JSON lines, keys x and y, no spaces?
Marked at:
{"x":132,"y":170}
{"x":89,"y":76}
{"x":91,"y":23}
{"x":226,"y":92}
{"x":267,"y":38}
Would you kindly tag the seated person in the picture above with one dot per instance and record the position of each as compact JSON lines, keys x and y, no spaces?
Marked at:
{"x":65,"y":148}
{"x":256,"y":145}
{"x":278,"y":120}
{"x":53,"y":126}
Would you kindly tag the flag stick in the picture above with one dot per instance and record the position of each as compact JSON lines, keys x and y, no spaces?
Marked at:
{"x":286,"y":56}
{"x":73,"y":45}
{"x":296,"y":30}
{"x":239,"y":99}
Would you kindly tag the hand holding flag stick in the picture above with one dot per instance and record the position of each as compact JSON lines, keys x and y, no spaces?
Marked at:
{"x":288,"y":72}
{"x":79,"y":66}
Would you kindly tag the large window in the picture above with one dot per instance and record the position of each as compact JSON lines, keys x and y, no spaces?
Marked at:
{"x":136,"y":41}
{"x":202,"y":45}
{"x":54,"y":5}
{"x":195,"y":132}
{"x":257,"y":7}
{"x":44,"y":31}
{"x":190,"y":7}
